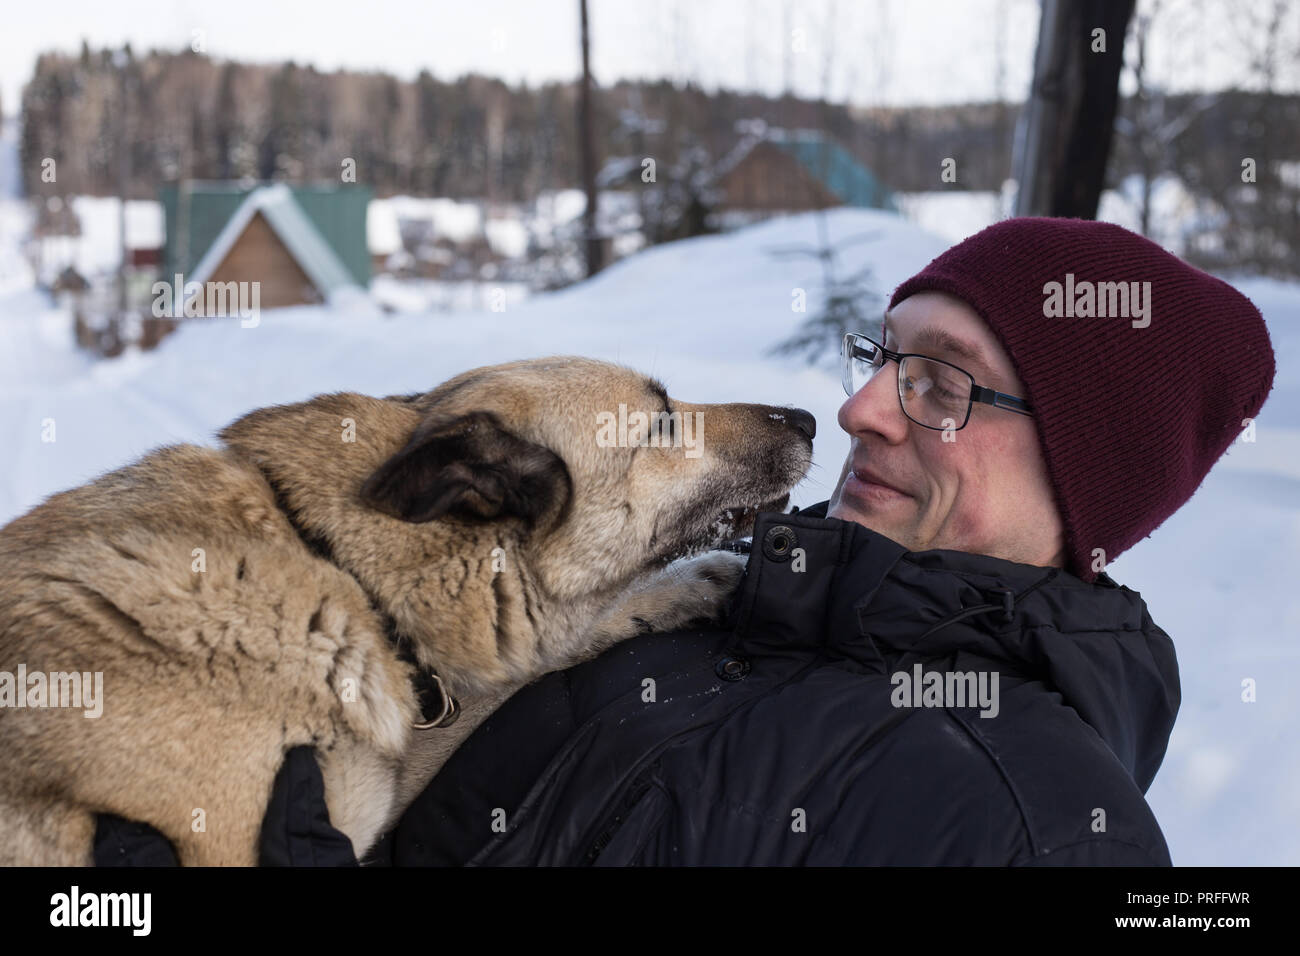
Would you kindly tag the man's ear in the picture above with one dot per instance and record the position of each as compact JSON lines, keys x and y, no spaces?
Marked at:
{"x":469,"y":467}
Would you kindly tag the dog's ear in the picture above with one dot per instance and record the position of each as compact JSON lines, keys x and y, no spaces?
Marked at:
{"x":469,"y":467}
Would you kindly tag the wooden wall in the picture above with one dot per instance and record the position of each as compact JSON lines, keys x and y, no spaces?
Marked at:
{"x":769,"y":179}
{"x":258,"y":255}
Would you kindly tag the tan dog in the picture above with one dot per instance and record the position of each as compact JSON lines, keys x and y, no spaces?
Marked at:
{"x":243,"y":601}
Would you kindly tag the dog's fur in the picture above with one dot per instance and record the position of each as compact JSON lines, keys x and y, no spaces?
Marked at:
{"x":239,"y":601}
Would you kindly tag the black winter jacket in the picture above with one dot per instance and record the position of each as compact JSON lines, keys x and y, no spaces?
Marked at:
{"x":783,"y":740}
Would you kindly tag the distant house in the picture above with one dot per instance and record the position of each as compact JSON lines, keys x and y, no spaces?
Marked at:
{"x":303,"y":244}
{"x":774,"y":171}
{"x":70,"y":282}
{"x":69,"y":289}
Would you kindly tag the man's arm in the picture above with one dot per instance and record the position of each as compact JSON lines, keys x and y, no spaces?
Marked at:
{"x":296,"y":830}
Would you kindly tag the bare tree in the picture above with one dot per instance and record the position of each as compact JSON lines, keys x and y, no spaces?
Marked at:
{"x":1155,"y":126}
{"x":1262,"y":227}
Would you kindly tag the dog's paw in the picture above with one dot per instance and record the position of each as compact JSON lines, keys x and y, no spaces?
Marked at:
{"x":688,"y":590}
{"x":698,"y":588}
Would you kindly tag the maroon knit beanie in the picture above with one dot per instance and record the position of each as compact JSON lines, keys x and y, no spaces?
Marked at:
{"x":1131,"y":410}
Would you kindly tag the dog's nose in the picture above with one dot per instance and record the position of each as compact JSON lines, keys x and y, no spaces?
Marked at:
{"x":803,"y":421}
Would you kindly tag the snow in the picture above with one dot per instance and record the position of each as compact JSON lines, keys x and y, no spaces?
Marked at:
{"x":701,"y":314}
{"x":98,"y":250}
{"x":953,"y":214}
{"x":99,"y":222}
{"x":457,"y":220}
{"x":437,"y":295}
{"x":1173,"y":209}
{"x":383,"y":232}
{"x":562,"y":206}
{"x":956,"y":213}
{"x":451,"y":218}
{"x":506,"y":237}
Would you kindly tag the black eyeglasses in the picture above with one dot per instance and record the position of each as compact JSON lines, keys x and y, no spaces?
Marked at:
{"x":933,"y":393}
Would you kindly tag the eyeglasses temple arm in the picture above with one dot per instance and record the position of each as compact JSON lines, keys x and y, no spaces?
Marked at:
{"x":988,"y":396}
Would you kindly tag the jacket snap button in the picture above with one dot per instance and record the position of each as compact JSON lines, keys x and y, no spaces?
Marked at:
{"x":779,"y":542}
{"x":732,"y":668}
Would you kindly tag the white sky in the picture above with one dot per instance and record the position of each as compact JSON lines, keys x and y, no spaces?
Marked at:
{"x":880,"y":51}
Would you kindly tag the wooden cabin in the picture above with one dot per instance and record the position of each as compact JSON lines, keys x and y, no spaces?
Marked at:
{"x":784,"y":171}
{"x":302,"y":244}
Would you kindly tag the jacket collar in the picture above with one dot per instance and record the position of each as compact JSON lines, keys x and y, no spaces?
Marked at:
{"x":839,"y":588}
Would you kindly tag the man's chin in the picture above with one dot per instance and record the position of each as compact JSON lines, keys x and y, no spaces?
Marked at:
{"x":842,"y":507}
{"x":844,"y":510}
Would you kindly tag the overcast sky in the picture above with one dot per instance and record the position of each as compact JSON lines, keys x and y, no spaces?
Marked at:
{"x":867,"y":51}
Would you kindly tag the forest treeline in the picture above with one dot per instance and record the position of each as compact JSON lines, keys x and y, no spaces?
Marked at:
{"x":186,"y":115}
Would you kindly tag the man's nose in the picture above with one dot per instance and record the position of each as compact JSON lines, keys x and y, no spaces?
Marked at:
{"x":875,"y":407}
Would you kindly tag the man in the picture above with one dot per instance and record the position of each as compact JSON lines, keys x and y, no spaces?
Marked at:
{"x":933,"y":667}
{"x":966,"y":539}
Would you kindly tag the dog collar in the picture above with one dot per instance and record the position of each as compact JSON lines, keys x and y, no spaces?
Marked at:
{"x":437,"y":707}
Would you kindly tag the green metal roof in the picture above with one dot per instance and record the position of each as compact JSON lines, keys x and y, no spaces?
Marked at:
{"x":835,"y":168}
{"x":337,"y":212}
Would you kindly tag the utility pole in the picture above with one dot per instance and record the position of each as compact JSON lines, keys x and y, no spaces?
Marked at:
{"x":595,"y":253}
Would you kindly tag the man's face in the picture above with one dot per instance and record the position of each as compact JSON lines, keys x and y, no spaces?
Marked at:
{"x":984,"y":492}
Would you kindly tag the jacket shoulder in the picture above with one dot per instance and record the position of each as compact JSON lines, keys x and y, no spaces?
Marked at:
{"x":1034,"y":785}
{"x":1077,"y":800}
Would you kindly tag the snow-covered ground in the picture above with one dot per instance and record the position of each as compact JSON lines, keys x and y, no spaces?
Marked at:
{"x":702,"y":314}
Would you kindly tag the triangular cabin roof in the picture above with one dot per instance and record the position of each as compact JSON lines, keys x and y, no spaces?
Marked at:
{"x":323,"y":228}
{"x":70,"y":280}
{"x":824,"y":159}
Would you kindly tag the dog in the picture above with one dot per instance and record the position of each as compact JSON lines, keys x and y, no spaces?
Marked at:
{"x":367,"y":576}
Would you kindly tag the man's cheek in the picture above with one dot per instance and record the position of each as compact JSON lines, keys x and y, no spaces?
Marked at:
{"x":968,"y":517}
